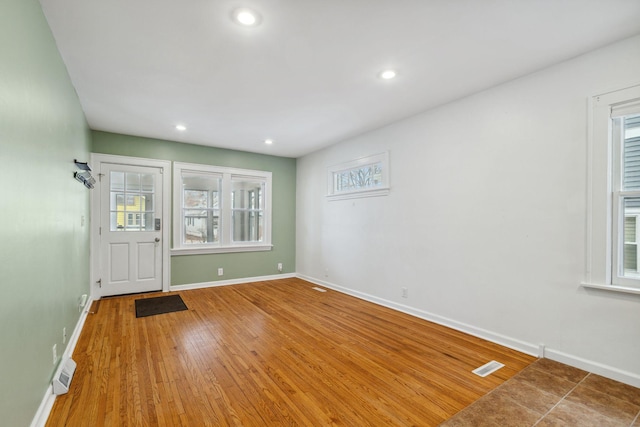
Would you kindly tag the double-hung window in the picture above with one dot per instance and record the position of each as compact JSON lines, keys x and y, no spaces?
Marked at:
{"x":218,"y":209}
{"x":626,"y":196}
{"x":613,"y":255}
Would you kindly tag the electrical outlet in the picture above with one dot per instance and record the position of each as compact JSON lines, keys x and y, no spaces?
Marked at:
{"x":280,"y":267}
{"x":64,"y":335}
{"x":82,"y":301}
{"x":55,"y":353}
{"x":541,"y":350}
{"x":405,"y":293}
{"x":220,"y":271}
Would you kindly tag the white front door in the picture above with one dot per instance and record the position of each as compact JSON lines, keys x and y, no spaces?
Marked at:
{"x":131,"y":225}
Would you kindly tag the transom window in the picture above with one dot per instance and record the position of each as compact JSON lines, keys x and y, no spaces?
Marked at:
{"x":220,"y":209}
{"x":368,"y":176}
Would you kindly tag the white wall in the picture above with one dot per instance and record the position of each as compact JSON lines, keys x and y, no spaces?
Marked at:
{"x":485,"y":222}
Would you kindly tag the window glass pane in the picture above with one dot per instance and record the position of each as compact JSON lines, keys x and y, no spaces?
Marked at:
{"x":630,"y":229}
{"x":147,"y":221}
{"x":247,"y":226}
{"x":117,"y":221}
{"x":201,"y":226}
{"x":200,"y":181}
{"x":246,"y":194}
{"x":201,"y":216}
{"x":630,"y":250}
{"x":631,"y":150}
{"x":117,"y":181}
{"x":196,"y":199}
{"x":134,"y":203}
{"x":147,"y":203}
{"x":117,"y":201}
{"x":132,"y":182}
{"x":247,"y":202}
{"x":195,"y":229}
{"x":364,"y":177}
{"x":146,"y":183}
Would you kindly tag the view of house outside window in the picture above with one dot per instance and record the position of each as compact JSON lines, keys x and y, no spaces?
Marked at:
{"x":131,"y":201}
{"x":219,"y":209}
{"x":629,"y":195}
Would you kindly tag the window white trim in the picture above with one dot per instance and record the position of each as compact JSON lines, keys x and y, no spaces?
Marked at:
{"x":225,"y":243}
{"x":381,"y":188}
{"x":218,"y":249}
{"x":601,"y":203}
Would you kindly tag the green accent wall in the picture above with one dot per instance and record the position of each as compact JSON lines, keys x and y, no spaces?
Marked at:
{"x":44,"y":248}
{"x":190,"y":269}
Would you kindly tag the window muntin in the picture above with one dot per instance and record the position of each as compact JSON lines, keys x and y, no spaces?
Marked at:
{"x":625,"y":136}
{"x":200,"y":208}
{"x":220,"y":209}
{"x":610,"y":210}
{"x":247,"y":210}
{"x":131,"y":201}
{"x":368,"y":176}
{"x":358,"y":178}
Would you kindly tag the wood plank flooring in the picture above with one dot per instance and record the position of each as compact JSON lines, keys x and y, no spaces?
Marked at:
{"x":273,"y":353}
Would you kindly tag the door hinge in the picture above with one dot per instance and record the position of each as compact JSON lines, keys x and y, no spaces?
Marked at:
{"x":99,"y":231}
{"x":100,"y":175}
{"x":99,"y":282}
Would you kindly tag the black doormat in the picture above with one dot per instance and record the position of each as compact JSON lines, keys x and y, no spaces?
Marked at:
{"x":159,"y":305}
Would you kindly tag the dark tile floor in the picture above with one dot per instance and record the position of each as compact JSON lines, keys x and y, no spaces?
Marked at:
{"x":548,"y":393}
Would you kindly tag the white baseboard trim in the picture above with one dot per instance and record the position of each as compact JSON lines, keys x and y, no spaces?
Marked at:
{"x":525,"y":347}
{"x":42,"y":414}
{"x":594,"y":367}
{"x":173,"y":288}
{"x":503,"y":340}
{"x":40,"y":419}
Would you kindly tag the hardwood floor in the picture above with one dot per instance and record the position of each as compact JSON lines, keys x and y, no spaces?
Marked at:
{"x":273,"y":353}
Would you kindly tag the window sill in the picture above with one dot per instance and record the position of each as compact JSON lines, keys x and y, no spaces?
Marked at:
{"x":611,"y":288}
{"x":220,"y":249}
{"x":359,"y":194}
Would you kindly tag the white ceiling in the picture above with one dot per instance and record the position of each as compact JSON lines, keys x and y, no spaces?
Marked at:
{"x":307,"y":77}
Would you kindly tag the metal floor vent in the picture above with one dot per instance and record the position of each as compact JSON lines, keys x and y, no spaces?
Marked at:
{"x":488,"y":368}
{"x":319,"y":289}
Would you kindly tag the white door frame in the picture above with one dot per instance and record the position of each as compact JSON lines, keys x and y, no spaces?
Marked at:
{"x":165,"y":167}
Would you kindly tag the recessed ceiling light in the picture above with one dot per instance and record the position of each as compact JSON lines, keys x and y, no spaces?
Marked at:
{"x":388,"y":74}
{"x":181,"y":128}
{"x":268,"y":141}
{"x":246,"y":17}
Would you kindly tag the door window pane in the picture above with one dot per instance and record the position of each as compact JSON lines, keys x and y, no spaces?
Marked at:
{"x":132,"y":182}
{"x":131,"y":209}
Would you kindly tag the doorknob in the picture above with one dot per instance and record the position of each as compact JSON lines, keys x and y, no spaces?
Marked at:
{"x":157,"y":239}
